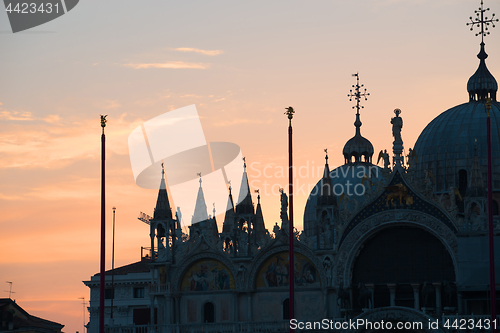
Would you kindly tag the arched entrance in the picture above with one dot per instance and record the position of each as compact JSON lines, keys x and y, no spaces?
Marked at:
{"x":402,"y":266}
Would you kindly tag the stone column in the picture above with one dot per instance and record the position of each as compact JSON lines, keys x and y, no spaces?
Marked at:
{"x":392,"y":290}
{"x":178,"y":309}
{"x":371,"y":288}
{"x":416,"y":296}
{"x":152,"y":312}
{"x":236,"y":307}
{"x":437,"y":286}
{"x":169,"y":310}
{"x":325,"y":303}
{"x":460,"y":303}
{"x":249,"y":305}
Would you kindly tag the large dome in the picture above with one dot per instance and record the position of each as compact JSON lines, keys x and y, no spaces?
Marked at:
{"x":346,"y":179}
{"x":446,"y":145}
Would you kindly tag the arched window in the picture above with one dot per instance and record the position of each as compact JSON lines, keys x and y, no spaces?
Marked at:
{"x":286,"y":309}
{"x":495,"y":207}
{"x":208,"y":312}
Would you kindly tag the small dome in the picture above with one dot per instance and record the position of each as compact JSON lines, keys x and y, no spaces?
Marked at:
{"x":482,"y":84}
{"x":358,"y":146}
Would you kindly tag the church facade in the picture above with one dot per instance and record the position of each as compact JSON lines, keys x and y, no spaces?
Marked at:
{"x":410,"y":245}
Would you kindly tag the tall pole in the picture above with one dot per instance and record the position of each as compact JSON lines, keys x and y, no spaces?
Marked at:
{"x":493,"y":297}
{"x":103,"y":227}
{"x":113,"y":266}
{"x":83,"y":312}
{"x":291,"y":236}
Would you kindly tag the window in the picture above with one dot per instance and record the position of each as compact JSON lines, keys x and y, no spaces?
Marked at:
{"x":286,"y":309}
{"x":208,"y":312}
{"x":462,"y":181}
{"x":139,"y":292}
{"x":109,"y":293}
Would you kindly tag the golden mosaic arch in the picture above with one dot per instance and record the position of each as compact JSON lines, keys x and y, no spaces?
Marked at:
{"x":207,"y":275}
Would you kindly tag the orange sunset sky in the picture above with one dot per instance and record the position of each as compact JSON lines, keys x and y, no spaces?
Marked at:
{"x":241,"y":63}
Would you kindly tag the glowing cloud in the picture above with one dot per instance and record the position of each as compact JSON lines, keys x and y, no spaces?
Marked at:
{"x":15,"y":115}
{"x":205,"y":52}
{"x":169,"y":64}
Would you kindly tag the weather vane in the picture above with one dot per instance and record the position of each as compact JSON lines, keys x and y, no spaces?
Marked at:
{"x":357,"y":94}
{"x":103,"y":122}
{"x":482,"y":21}
{"x":289,"y":112}
{"x":199,"y":175}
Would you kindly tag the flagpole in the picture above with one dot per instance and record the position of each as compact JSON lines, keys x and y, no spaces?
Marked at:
{"x":291,"y":265}
{"x":103,"y":227}
{"x":493,"y":298}
{"x":113,"y":268}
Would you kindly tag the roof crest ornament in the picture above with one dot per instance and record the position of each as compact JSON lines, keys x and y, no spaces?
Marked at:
{"x":357,"y":94}
{"x":482,"y":83}
{"x":482,"y":21}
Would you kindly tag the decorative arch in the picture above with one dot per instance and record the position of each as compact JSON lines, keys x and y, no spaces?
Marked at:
{"x":207,"y":275}
{"x":372,"y":225}
{"x":394,"y":314}
{"x":270,"y":254}
{"x":189,"y":264}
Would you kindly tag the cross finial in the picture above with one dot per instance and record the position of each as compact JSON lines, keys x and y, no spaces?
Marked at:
{"x":326,"y":156}
{"x":482,"y":21}
{"x":357,"y":94}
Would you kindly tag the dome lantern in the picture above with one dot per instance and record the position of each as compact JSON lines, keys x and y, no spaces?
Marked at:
{"x":482,"y":83}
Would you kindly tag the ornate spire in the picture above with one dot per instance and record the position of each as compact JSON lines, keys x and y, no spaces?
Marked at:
{"x":259,"y":226}
{"x":326,"y":195}
{"x":227,"y":227}
{"x":200,"y":210}
{"x":245,"y":204}
{"x":162,"y":210}
{"x":358,"y":146}
{"x":482,"y":84}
